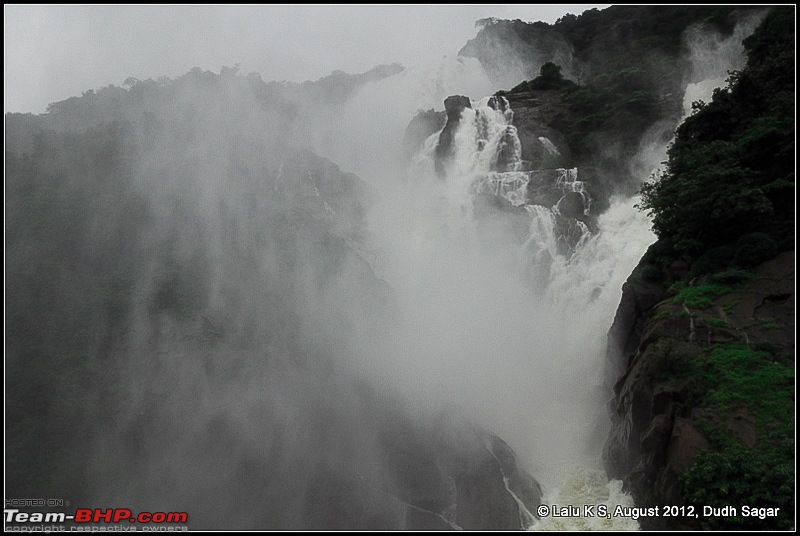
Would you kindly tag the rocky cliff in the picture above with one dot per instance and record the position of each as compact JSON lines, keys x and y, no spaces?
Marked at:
{"x":701,"y":352}
{"x":598,"y":42}
{"x":697,"y":374}
{"x":177,"y":270}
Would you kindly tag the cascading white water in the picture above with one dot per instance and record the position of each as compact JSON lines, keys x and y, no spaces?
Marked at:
{"x":712,"y":58}
{"x":364,"y":136}
{"x":548,"y":145}
{"x":497,"y":322}
{"x":588,"y":488}
{"x":505,"y":330}
{"x":567,"y":180}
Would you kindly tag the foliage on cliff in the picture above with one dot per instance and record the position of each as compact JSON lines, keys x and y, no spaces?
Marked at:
{"x":716,"y":290}
{"x":598,"y":42}
{"x":620,"y":70}
{"x":105,"y":221}
{"x":731,"y":168}
{"x":726,"y":205}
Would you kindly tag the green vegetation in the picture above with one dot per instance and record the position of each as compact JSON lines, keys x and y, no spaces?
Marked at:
{"x":618,"y":104}
{"x":730,"y":174}
{"x":729,"y":305}
{"x":550,"y":77}
{"x":651,"y":273}
{"x":712,"y":260}
{"x":715,"y":322}
{"x":723,"y":206}
{"x":731,"y":277}
{"x":739,"y":475}
{"x":676,"y":287}
{"x":737,"y":375}
{"x":701,"y":296}
{"x":772,"y":349}
{"x":754,"y":248}
{"x":726,"y":378}
{"x":628,"y":64}
{"x":662,"y":314}
{"x":655,"y":260}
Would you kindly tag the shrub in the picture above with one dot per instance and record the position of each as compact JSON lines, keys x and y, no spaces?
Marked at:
{"x":651,"y":273}
{"x":660,"y":252}
{"x":715,"y":322}
{"x":729,"y":377}
{"x":713,"y":260}
{"x":737,"y":476}
{"x":701,"y":296}
{"x":772,"y":349}
{"x":754,"y":248}
{"x":731,"y":277}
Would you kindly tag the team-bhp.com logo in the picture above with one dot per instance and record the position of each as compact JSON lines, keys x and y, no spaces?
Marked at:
{"x":95,"y":515}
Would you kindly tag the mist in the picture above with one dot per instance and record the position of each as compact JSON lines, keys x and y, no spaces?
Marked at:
{"x":713,"y":57}
{"x":54,"y":52}
{"x":240,"y":299}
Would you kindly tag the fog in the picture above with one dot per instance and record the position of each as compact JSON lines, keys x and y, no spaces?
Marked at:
{"x":55,"y":52}
{"x":243,"y":303}
{"x":714,"y":57}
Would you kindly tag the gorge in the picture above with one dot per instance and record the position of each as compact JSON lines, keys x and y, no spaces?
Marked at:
{"x":420,"y":297}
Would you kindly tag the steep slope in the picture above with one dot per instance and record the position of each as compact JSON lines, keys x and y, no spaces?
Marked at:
{"x":625,"y":70}
{"x":702,"y":347}
{"x":598,"y":42}
{"x":183,"y":283}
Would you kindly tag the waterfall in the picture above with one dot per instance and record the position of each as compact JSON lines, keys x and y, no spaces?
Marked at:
{"x":505,"y":320}
{"x":551,"y":149}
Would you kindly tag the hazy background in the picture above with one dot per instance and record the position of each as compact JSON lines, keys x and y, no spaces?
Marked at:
{"x":221,"y":279}
{"x":55,"y":52}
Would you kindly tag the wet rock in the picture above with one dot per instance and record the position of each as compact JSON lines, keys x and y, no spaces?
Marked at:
{"x":423,"y":125}
{"x":453,"y":105}
{"x":656,"y":434}
{"x":456,"y":475}
{"x":572,"y":205}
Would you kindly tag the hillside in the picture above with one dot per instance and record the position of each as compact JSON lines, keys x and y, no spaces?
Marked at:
{"x":207,"y":311}
{"x":703,"y":342}
{"x":182,"y":277}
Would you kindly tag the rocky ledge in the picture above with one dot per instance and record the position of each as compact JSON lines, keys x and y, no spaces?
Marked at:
{"x":678,"y":391}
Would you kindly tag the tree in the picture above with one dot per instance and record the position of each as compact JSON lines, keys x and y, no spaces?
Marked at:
{"x":550,"y":71}
{"x":731,"y":167}
{"x":550,"y":77}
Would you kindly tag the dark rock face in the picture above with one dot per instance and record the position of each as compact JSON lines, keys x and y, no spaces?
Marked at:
{"x":656,"y":435}
{"x":423,"y":125}
{"x":572,"y":205}
{"x":506,"y":158}
{"x":525,"y":169}
{"x":511,"y":51}
{"x":203,"y":281}
{"x":543,"y":120}
{"x":323,"y":191}
{"x":453,"y":478}
{"x":453,"y":105}
{"x":539,"y":114}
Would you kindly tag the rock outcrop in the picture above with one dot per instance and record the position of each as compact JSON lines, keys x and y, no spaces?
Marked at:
{"x":512,"y":51}
{"x":453,"y":106}
{"x":202,"y":271}
{"x":423,"y":125}
{"x":660,"y":423}
{"x":459,"y":479}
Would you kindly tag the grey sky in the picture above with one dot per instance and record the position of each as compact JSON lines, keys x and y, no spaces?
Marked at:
{"x":55,"y":52}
